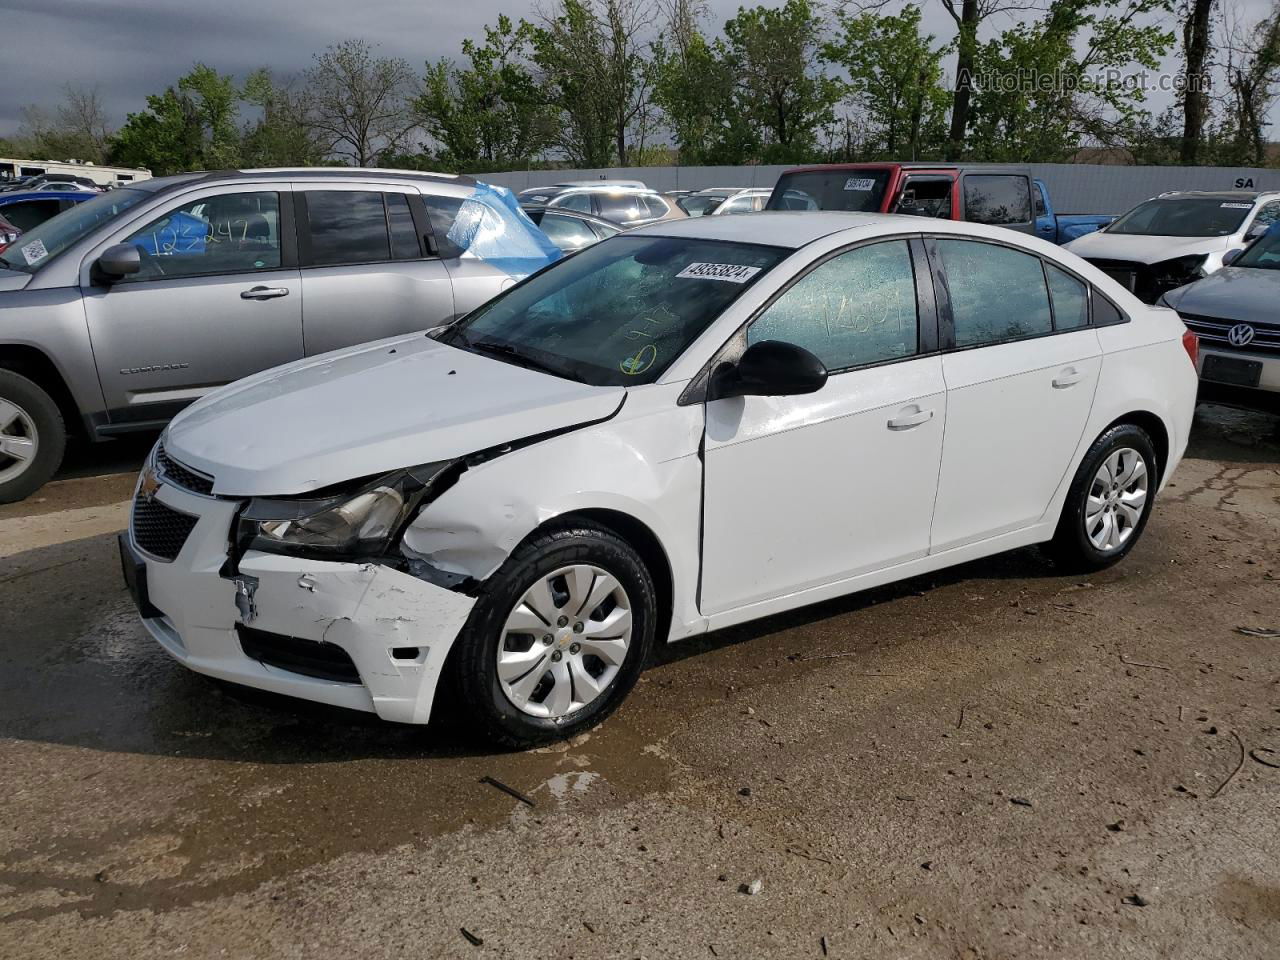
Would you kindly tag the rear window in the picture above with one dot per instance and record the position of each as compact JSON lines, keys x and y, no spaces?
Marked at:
{"x":858,"y":191}
{"x":994,"y":198}
{"x":347,"y":226}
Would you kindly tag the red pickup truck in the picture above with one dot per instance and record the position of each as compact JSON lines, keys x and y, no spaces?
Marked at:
{"x":995,"y":195}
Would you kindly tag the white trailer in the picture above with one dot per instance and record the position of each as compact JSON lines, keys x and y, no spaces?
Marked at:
{"x":103,"y":176}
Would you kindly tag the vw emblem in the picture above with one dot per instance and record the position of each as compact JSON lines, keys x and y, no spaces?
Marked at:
{"x":1241,"y":335}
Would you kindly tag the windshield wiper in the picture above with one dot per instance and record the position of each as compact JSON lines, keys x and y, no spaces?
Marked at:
{"x":517,"y":356}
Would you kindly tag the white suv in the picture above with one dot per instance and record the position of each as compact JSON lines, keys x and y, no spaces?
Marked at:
{"x":1177,"y":238}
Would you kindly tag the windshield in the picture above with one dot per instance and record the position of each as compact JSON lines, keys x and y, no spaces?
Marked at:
{"x":1263,"y":252}
{"x":857,"y":191}
{"x":41,"y":244}
{"x":1183,"y":217}
{"x":620,"y":312}
{"x":700,"y":204}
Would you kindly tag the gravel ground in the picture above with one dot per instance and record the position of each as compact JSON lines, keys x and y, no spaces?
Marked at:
{"x":993,"y":762}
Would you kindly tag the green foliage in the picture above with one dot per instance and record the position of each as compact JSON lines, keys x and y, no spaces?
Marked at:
{"x":895,"y":79}
{"x":771,"y":54}
{"x":491,"y":115}
{"x":281,"y":136}
{"x":1042,"y":88}
{"x":188,"y":127}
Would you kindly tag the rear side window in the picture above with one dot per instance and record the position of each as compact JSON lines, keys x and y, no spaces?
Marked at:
{"x":576,"y":201}
{"x":995,"y":198}
{"x":1037,"y":195}
{"x":567,"y":233}
{"x":996,"y":293}
{"x":1070,"y":299}
{"x":656,"y":206}
{"x":622,"y":207}
{"x":855,"y":309}
{"x":347,"y":226}
{"x":1105,"y":313}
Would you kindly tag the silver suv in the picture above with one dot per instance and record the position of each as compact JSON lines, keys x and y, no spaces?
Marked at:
{"x":627,"y":206}
{"x":121,"y":311}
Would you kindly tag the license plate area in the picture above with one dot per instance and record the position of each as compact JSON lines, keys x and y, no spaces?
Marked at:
{"x":1234,"y":370}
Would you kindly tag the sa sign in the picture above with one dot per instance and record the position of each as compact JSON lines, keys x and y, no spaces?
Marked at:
{"x":1244,"y":183}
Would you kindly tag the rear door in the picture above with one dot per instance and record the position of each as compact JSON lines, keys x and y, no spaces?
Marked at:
{"x":999,"y":199}
{"x":367,"y":272}
{"x":217,"y":299}
{"x":1021,"y":368}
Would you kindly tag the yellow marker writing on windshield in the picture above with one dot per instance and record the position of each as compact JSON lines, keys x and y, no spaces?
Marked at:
{"x":640,"y":361}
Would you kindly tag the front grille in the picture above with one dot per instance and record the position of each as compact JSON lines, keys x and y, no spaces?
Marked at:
{"x":159,"y":530}
{"x":311,"y":658}
{"x":181,"y":475}
{"x":1213,"y":330}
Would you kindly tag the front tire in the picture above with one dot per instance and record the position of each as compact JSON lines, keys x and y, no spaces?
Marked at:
{"x":558,"y":636}
{"x":32,"y":437}
{"x":1109,"y":500}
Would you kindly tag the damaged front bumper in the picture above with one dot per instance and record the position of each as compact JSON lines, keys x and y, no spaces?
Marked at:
{"x":358,"y":635}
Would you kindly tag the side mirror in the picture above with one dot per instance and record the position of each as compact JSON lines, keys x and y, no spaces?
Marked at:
{"x":119,"y":260}
{"x":770,"y":368}
{"x":1230,"y":257}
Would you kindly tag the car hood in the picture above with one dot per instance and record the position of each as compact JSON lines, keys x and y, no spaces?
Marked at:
{"x":11,"y":280}
{"x":1247,"y":294}
{"x":1140,"y":249}
{"x":368,"y":410}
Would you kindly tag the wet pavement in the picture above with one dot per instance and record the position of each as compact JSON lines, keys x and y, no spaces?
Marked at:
{"x":994,"y":761}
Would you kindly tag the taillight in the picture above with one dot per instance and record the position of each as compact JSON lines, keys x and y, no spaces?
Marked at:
{"x":1191,"y":344}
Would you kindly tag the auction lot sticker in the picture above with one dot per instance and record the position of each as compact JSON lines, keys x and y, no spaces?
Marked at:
{"x":729,"y":272}
{"x":861,"y":184}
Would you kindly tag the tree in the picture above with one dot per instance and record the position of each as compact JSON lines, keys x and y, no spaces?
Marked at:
{"x":1253,"y":68}
{"x":969,"y":17}
{"x":598,"y":79}
{"x":694,"y":90}
{"x":1037,"y":92}
{"x":895,"y":76}
{"x":188,"y":127}
{"x":358,"y":104}
{"x":282,"y":135}
{"x":771,"y":53}
{"x":76,"y":129}
{"x":492,"y":115}
{"x":1195,"y":75}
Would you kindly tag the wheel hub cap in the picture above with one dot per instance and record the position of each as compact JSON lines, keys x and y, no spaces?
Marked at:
{"x":1117,"y":497}
{"x":564,"y":641}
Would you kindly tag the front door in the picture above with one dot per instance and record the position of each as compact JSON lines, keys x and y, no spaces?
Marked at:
{"x":218,"y":298}
{"x":1020,"y":386}
{"x":807,"y":490}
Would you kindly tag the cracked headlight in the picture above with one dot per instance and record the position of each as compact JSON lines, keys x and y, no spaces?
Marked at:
{"x":357,"y":523}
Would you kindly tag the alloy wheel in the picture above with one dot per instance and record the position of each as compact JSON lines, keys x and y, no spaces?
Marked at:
{"x":18,"y":440}
{"x":1116,"y":499}
{"x":564,"y":642}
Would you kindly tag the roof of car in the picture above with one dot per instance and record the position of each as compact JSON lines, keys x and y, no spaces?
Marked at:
{"x":796,"y":228}
{"x":157,"y":184}
{"x":1239,"y":195}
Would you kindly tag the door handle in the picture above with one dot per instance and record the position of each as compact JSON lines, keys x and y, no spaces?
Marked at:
{"x":905,"y":421}
{"x":264,"y":293}
{"x":1067,"y":378}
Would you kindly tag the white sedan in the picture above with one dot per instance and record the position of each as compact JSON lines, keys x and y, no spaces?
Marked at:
{"x":684,"y":427}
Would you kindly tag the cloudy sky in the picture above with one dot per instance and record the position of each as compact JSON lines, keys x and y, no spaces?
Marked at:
{"x":130,"y":48}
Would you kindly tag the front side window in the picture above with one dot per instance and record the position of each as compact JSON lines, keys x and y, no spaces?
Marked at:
{"x":41,"y":244}
{"x":1070,"y":299}
{"x":996,"y":293}
{"x":1269,"y":213}
{"x":224,"y":233}
{"x":1183,"y":217}
{"x":1263,"y":252}
{"x":996,"y":198}
{"x":855,"y":309}
{"x":619,"y":312}
{"x":347,"y":226}
{"x":576,"y":201}
{"x":926,"y":198}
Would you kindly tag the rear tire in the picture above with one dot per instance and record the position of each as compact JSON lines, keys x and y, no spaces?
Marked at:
{"x":535,"y":663}
{"x":33,"y":437}
{"x":1108,"y":502}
